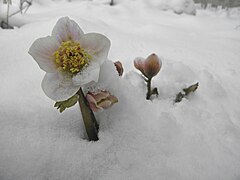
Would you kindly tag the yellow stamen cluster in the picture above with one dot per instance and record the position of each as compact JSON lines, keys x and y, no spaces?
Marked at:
{"x":71,"y":58}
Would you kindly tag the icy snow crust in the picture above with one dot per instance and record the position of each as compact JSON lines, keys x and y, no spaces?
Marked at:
{"x":198,"y":138}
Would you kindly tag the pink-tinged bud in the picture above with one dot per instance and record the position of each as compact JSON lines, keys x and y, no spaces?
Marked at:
{"x":119,"y":67}
{"x":150,"y":66}
{"x":139,"y":64}
{"x":100,"y":100}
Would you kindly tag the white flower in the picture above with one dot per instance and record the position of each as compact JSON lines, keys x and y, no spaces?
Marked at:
{"x":70,"y":58}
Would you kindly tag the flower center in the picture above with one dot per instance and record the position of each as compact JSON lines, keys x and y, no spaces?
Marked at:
{"x":71,"y":58}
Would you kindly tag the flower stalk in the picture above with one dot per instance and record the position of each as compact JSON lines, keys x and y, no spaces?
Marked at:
{"x":88,"y":117}
{"x":149,"y":88}
{"x":150,"y":91}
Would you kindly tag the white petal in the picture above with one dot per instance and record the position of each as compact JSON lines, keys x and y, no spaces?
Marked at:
{"x":58,"y":87}
{"x":97,"y":45}
{"x":42,"y":51}
{"x":88,"y":75}
{"x":67,"y":29}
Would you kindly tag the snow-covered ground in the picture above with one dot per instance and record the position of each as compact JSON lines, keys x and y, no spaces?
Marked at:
{"x":198,"y":138}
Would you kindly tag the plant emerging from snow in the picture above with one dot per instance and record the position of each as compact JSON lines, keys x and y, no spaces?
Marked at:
{"x":149,"y":68}
{"x":186,"y":92}
{"x":72,"y":60}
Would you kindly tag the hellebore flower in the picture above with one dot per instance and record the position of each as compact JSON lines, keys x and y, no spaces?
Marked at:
{"x":100,"y":100}
{"x":70,"y":58}
{"x":119,"y":67}
{"x":149,"y":67}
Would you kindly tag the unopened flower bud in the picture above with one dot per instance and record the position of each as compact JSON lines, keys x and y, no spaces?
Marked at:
{"x":150,"y":66}
{"x":119,"y":67}
{"x":100,"y":100}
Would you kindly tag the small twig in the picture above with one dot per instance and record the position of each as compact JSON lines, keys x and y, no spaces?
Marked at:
{"x":111,"y":3}
{"x":29,"y":4}
{"x":8,"y":7}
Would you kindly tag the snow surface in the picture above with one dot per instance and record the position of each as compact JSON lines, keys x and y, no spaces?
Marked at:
{"x":198,"y":138}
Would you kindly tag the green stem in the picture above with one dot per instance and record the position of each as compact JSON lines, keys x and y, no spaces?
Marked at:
{"x":149,"y":88}
{"x":89,"y":119}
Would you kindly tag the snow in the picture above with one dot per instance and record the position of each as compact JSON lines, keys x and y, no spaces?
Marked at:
{"x":198,"y":138}
{"x":178,"y":6}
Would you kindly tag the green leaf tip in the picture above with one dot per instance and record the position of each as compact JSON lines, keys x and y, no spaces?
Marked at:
{"x":191,"y":88}
{"x":186,"y":91}
{"x":179,"y":97}
{"x":62,"y":105}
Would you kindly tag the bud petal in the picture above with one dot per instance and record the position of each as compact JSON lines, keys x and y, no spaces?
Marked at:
{"x":91,"y":102}
{"x":139,"y":63}
{"x":105,"y":104}
{"x":100,"y":100}
{"x":152,"y":65}
{"x":119,"y":67}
